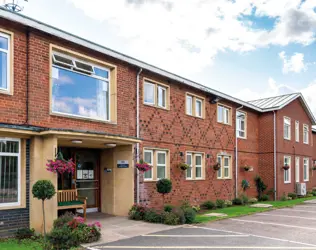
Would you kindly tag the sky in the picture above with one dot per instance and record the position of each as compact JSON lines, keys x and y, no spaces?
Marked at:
{"x":249,"y":49}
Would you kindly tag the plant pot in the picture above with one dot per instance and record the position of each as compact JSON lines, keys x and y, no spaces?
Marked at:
{"x":286,"y":167}
{"x":183,"y":168}
{"x":216,"y":166}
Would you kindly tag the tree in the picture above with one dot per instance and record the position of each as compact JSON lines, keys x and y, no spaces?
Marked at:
{"x":164,"y":186}
{"x":261,"y":187}
{"x":43,"y":190}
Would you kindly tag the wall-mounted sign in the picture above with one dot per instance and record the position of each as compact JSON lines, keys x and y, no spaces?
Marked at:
{"x":122,"y":164}
{"x":79,"y":174}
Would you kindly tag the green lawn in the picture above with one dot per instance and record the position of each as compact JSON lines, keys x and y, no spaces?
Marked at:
{"x":13,"y":244}
{"x":236,"y":211}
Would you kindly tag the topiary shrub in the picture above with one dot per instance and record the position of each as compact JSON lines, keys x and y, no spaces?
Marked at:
{"x":292,"y":195}
{"x":261,"y":187}
{"x":208,"y":205}
{"x":152,"y":216}
{"x":164,"y":186}
{"x":245,"y":185}
{"x":189,"y":215}
{"x":43,"y":190}
{"x":238,"y":201}
{"x":220,"y":203}
{"x":167,"y":208}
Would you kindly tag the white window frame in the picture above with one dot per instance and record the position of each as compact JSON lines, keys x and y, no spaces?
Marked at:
{"x":287,"y":171}
{"x":238,"y":125}
{"x":165,"y":95}
{"x":221,"y":172}
{"x":225,"y":112}
{"x":191,"y":166}
{"x":197,"y":100}
{"x":8,"y":52}
{"x":297,"y":131}
{"x":154,"y":95}
{"x":297,"y":169}
{"x":226,"y":167}
{"x":150,"y":163}
{"x":305,"y":127}
{"x":287,"y":123}
{"x":306,"y":168}
{"x":161,"y":165}
{"x":189,"y":99}
{"x":198,"y":166}
{"x":18,"y":203}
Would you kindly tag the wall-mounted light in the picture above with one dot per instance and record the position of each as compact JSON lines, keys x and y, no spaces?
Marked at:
{"x":181,"y":154}
{"x":76,"y":141}
{"x":208,"y":156}
{"x":110,"y":145}
{"x":215,"y":99}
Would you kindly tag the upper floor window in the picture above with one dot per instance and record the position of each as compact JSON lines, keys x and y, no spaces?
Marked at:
{"x":225,"y":167}
{"x":305,"y":133}
{"x":223,"y":114}
{"x":241,"y":124}
{"x":80,"y":88}
{"x":196,"y":162}
{"x":194,"y":105}
{"x":306,"y":169}
{"x":156,"y":94}
{"x":287,"y":173}
{"x":287,"y":128}
{"x":5,"y":62}
{"x":297,"y":131}
{"x":158,"y":160}
{"x":10,"y":172}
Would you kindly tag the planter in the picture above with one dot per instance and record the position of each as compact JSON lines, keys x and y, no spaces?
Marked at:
{"x":142,"y":166}
{"x":286,"y":167}
{"x":217,"y":166}
{"x":183,"y":166}
{"x":247,"y":168}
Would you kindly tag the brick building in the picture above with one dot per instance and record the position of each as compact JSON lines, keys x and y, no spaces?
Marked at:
{"x":61,"y":93}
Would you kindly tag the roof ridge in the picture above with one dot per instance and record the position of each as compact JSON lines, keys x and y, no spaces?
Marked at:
{"x":271,"y":97}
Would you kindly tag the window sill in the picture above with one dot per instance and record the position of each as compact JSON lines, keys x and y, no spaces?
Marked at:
{"x":6,"y":92}
{"x":199,"y":179}
{"x":243,"y":138}
{"x":226,"y":124}
{"x":288,"y":182}
{"x":8,"y":207}
{"x":287,"y":139}
{"x":223,"y":179}
{"x":82,"y":118}
{"x":202,"y":118}
{"x":156,"y":106}
{"x":306,"y":180}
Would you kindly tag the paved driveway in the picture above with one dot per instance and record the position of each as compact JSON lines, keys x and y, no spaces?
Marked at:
{"x":288,"y":228}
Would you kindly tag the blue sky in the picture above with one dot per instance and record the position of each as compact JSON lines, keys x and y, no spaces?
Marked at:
{"x":246,"y":48}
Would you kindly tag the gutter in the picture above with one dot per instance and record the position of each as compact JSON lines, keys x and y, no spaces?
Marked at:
{"x":236,"y":154}
{"x":274,"y":156}
{"x":137,"y":132}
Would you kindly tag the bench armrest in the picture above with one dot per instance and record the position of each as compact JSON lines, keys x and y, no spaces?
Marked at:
{"x":82,"y":198}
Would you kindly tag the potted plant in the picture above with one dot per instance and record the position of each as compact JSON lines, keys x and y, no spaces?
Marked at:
{"x":143,"y":166}
{"x":183,"y":166}
{"x":286,"y":166}
{"x":60,"y":165}
{"x":246,"y":168}
{"x":216,"y":166}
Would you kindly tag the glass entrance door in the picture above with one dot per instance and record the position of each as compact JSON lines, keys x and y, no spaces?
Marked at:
{"x":87,"y":176}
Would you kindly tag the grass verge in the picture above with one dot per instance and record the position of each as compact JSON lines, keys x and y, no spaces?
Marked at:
{"x":14,"y":244}
{"x":236,"y":211}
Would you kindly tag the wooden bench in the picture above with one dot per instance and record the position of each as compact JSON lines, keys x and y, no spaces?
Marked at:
{"x":69,"y":199}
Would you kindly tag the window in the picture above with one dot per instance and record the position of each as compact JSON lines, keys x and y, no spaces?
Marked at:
{"x":5,"y":62}
{"x":80,"y":89}
{"x":158,"y":160}
{"x":225,"y":167}
{"x":223,"y":114}
{"x":10,"y":172}
{"x":156,"y":94}
{"x":196,"y":163}
{"x":297,"y":169}
{"x":194,"y":105}
{"x":287,"y":128}
{"x":305,"y":133}
{"x":241,"y":124}
{"x":287,"y":173}
{"x":306,"y":169}
{"x":297,"y":131}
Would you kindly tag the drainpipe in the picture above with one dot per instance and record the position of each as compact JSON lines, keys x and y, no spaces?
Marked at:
{"x":236,"y":154}
{"x":27,"y":74}
{"x":274,"y":156}
{"x":137,"y":131}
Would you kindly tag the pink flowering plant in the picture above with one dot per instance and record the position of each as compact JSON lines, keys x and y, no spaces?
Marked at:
{"x":60,"y":165}
{"x":143,"y":166}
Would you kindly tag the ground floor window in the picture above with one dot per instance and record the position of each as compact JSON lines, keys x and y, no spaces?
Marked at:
{"x":287,"y":173}
{"x":196,"y":162}
{"x":158,"y":159}
{"x":306,"y":169}
{"x":10,"y":170}
{"x":225,"y":167}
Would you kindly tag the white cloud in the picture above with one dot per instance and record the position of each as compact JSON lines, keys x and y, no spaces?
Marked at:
{"x":294,"y":64}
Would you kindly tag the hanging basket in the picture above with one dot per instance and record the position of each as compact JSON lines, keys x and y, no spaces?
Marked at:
{"x":286,"y":167}
{"x":60,"y":165}
{"x":217,"y":166}
{"x":143,"y":166}
{"x":183,"y":166}
{"x":246,"y":168}
{"x":314,"y":167}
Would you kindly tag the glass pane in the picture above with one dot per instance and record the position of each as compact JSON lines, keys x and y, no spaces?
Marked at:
{"x":198,"y":108}
{"x":90,"y":194}
{"x":149,"y":93}
{"x":87,"y":184}
{"x":198,"y":160}
{"x":3,"y":70}
{"x":198,"y":172}
{"x":101,"y":72}
{"x":189,"y":159}
{"x":189,"y":105}
{"x":9,"y":146}
{"x":226,"y":172}
{"x":219,"y":173}
{"x":161,"y":158}
{"x":189,"y":173}
{"x":161,"y":97}
{"x":80,"y":95}
{"x":148,"y":174}
{"x":148,"y":157}
{"x":161,"y":172}
{"x":8,"y":179}
{"x":226,"y":116}
{"x":220,"y":114}
{"x":4,"y":43}
{"x":226,"y":161}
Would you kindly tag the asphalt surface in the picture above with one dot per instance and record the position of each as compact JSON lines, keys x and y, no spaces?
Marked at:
{"x":288,"y":228}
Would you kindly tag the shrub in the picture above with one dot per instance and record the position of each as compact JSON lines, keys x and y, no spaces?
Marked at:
{"x":292,"y":195}
{"x":244,"y":199}
{"x":252,"y":200}
{"x":43,"y":190}
{"x":208,"y":205}
{"x":24,"y":233}
{"x":63,"y":238}
{"x":152,"y":216}
{"x":238,"y":201}
{"x":220,"y":203}
{"x":309,"y":195}
{"x":245,"y":185}
{"x":314,"y":193}
{"x":168,"y":208}
{"x":170,"y":218}
{"x":228,"y":203}
{"x":196,"y":208}
{"x":283,"y":198}
{"x":164,"y":186}
{"x":179,"y":212}
{"x":264,"y":197}
{"x":261,"y":187}
{"x":63,"y":220}
{"x":137,"y":212}
{"x":189,"y":215}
